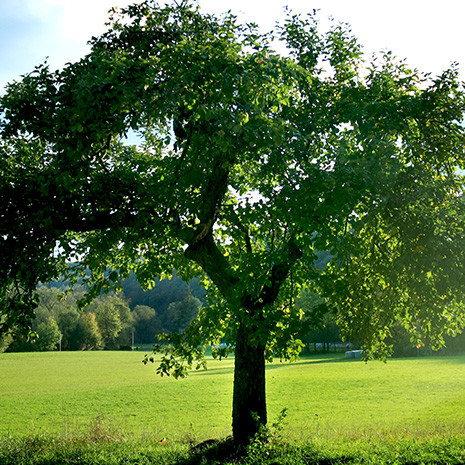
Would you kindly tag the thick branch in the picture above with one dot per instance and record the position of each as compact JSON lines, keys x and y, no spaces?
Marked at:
{"x":206,"y":253}
{"x":279,"y":273}
{"x":236,"y":221}
{"x":214,"y":193}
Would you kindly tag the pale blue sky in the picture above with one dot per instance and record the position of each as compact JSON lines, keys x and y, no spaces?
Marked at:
{"x":430,"y":34}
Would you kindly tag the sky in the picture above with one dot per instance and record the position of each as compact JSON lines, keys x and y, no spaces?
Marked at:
{"x":428,"y":34}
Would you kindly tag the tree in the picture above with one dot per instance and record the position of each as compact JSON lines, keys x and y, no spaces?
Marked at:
{"x":318,"y":323}
{"x":67,"y":319}
{"x":87,"y":334}
{"x":250,"y":162}
{"x":181,"y":313}
{"x":147,"y":324}
{"x":114,"y":319}
{"x":48,"y":335}
{"x":127,"y":320}
{"x":109,"y":323}
{"x":50,"y":299}
{"x":161,"y":294}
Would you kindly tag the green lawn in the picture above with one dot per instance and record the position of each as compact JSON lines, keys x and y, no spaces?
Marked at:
{"x":56,"y":392}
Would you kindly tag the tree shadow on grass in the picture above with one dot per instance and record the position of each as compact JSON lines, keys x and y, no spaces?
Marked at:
{"x":213,"y":371}
{"x":216,"y":452}
{"x":308,"y":361}
{"x":212,"y":451}
{"x":304,"y":360}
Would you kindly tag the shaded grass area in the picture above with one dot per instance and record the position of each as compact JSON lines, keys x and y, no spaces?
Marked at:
{"x":105,"y":448}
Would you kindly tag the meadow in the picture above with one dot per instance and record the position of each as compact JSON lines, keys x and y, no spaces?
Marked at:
{"x":325,"y":396}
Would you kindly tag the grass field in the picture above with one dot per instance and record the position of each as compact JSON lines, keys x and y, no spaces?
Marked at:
{"x":325,"y":396}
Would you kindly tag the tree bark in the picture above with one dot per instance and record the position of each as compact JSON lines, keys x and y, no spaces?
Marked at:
{"x":249,"y":397}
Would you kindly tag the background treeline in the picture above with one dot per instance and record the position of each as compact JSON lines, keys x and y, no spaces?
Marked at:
{"x":116,"y":321}
{"x":111,"y":321}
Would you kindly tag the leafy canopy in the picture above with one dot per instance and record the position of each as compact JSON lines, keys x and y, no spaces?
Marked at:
{"x":252,"y":160}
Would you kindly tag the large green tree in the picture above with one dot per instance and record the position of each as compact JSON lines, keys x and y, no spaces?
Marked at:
{"x":257,"y":151}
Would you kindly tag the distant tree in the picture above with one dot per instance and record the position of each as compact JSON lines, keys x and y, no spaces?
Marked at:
{"x":54,"y":303}
{"x":127,"y":321}
{"x":42,"y":314}
{"x":114,"y":319}
{"x":161,"y":294}
{"x":455,"y":343}
{"x":257,"y":152}
{"x":325,"y":333}
{"x":43,"y":325}
{"x":318,"y":321}
{"x":144,"y":313}
{"x":67,"y":319}
{"x":73,"y":296}
{"x":109,"y":323}
{"x":48,"y":335}
{"x":146,"y":325}
{"x":50,"y":298}
{"x":180,"y":314}
{"x":87,"y":334}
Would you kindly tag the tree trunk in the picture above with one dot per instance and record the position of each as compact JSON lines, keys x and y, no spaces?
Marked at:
{"x":249,"y":397}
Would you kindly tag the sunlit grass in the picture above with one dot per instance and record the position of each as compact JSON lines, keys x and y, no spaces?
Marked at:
{"x":340,"y":398}
{"x":57,"y":391}
{"x":326,"y":397}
